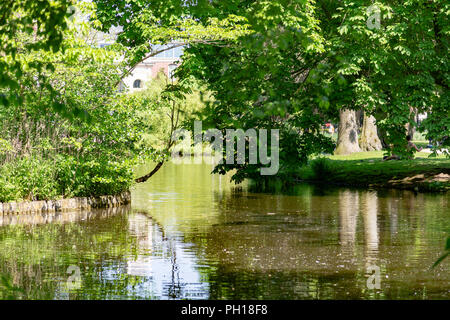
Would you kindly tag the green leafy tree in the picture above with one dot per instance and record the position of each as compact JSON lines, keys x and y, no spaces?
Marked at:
{"x":163,"y":107}
{"x":41,"y":21}
{"x":146,"y":24}
{"x":292,"y":64}
{"x":391,"y":66}
{"x":75,"y":134}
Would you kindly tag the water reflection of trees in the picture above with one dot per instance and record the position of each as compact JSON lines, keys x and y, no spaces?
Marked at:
{"x":164,"y":260}
{"x":320,"y":244}
{"x":313,"y":242}
{"x":36,"y":254}
{"x":121,"y":255}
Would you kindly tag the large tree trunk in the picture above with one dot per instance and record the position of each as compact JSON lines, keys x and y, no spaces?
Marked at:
{"x":383,"y":137}
{"x":411,"y":131}
{"x":348,"y":133}
{"x":359,"y":114}
{"x":410,"y":126}
{"x":369,"y":140}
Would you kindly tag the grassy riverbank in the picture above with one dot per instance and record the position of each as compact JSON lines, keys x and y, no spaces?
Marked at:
{"x":366,"y":169}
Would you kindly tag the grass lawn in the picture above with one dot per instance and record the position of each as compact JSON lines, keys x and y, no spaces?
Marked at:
{"x":368,"y":169}
{"x":378,"y":155}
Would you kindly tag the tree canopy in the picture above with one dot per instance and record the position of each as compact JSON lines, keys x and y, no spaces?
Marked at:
{"x":292,"y":64}
{"x":42,"y":22}
{"x":284,"y":64}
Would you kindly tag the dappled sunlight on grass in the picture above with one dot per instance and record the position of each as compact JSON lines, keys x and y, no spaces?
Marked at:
{"x":375,"y":155}
{"x":368,"y":169}
{"x":378,"y":155}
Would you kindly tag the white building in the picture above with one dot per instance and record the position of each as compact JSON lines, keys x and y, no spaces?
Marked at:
{"x":145,"y":71}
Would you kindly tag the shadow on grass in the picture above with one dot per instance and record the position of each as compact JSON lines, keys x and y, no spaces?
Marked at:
{"x":425,"y":174}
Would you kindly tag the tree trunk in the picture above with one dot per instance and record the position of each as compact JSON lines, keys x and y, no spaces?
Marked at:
{"x":348,"y":133}
{"x":147,"y":176}
{"x":411,"y":125}
{"x":359,"y":114}
{"x":383,"y":137}
{"x":369,"y":140}
{"x":411,"y":130}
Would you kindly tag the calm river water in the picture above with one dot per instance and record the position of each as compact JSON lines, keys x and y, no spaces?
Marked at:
{"x":192,"y":235}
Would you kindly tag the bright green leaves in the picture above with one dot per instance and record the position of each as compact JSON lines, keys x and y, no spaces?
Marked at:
{"x":343,"y":29}
{"x":268,"y":60}
{"x":27,"y":26}
{"x":5,"y":146}
{"x":59,"y":152}
{"x":262,"y":80}
{"x":191,"y":31}
{"x":403,"y":50}
{"x":147,"y":23}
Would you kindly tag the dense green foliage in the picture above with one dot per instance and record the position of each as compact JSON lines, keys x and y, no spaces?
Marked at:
{"x":285,"y":64}
{"x":295,"y":63}
{"x":394,"y":70}
{"x":164,"y":107}
{"x":84,"y":147}
{"x":43,"y":21}
{"x":87,"y":142}
{"x":66,"y":130}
